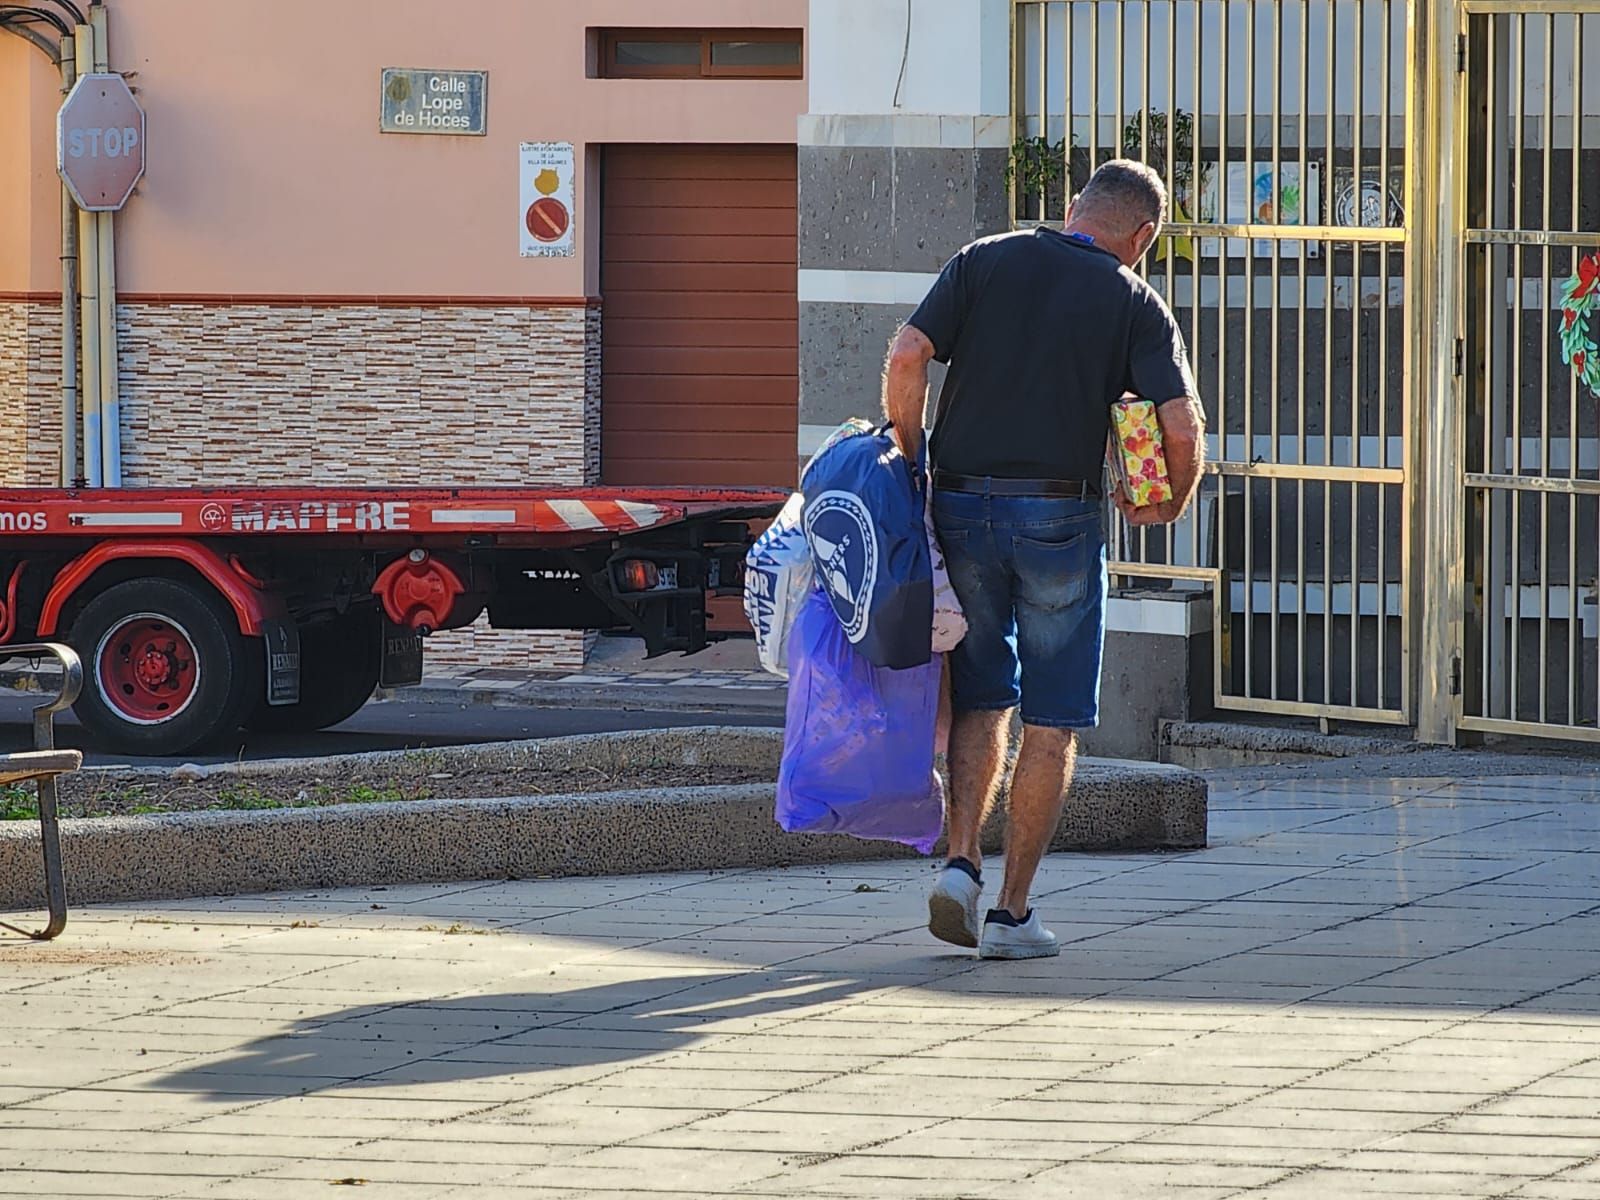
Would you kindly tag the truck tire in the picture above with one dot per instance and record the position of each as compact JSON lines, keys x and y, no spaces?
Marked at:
{"x":339,"y":665}
{"x":166,"y":669}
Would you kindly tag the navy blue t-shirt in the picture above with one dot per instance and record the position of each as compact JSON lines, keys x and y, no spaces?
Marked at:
{"x":1043,"y":333}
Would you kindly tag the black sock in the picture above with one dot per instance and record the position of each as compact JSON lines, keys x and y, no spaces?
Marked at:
{"x":1002,"y":916}
{"x":966,"y":868}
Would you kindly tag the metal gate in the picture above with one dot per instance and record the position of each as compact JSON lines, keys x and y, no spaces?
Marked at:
{"x":1530,"y":257}
{"x":1281,"y":128}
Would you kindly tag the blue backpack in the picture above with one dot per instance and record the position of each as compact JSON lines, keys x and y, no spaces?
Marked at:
{"x":863,"y":519}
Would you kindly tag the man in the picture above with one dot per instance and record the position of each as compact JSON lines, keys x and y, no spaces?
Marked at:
{"x":1043,"y":331}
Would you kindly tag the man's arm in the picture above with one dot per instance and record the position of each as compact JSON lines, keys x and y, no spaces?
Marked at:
{"x":905,"y":387}
{"x":1183,"y":441}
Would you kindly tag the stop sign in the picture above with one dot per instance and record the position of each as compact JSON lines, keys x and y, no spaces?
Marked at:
{"x":100,"y":142}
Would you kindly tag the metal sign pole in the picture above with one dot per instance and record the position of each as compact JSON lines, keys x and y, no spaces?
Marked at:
{"x":1434,"y":265}
{"x":110,"y":392}
{"x":88,"y":294}
{"x":69,"y":297}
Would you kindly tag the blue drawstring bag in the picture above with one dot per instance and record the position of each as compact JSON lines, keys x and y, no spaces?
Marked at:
{"x":864,"y":522}
{"x":857,"y":740}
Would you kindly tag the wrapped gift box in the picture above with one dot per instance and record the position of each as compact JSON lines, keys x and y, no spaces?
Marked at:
{"x":1138,"y":466}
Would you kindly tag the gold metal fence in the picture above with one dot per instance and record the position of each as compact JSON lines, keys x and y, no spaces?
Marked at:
{"x":1281,"y":128}
{"x":1530,"y":252}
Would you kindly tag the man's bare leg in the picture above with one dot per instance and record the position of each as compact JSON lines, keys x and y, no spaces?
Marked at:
{"x":1038,"y":792}
{"x":977,"y":756}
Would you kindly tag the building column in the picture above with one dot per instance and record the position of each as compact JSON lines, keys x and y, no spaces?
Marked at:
{"x":902,"y":160}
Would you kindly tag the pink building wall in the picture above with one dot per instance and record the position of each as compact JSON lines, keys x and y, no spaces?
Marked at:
{"x":266,"y":172}
{"x":30,"y":200}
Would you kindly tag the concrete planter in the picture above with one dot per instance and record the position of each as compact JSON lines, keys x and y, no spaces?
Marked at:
{"x":1113,"y":806}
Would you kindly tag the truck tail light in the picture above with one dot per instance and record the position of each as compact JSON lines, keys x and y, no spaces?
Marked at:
{"x":637,"y":575}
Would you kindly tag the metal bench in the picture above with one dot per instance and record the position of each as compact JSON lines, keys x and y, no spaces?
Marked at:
{"x":41,"y":766}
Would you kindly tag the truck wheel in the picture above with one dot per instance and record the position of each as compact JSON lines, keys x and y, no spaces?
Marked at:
{"x":166,"y":668}
{"x":339,"y":665}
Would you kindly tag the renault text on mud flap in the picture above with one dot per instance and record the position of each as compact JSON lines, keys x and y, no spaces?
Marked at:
{"x":332,"y":516}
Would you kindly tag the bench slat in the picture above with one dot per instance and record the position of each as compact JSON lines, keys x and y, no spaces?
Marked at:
{"x":31,"y":764}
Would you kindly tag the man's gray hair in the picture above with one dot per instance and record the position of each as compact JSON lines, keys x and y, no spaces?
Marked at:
{"x":1124,"y":194}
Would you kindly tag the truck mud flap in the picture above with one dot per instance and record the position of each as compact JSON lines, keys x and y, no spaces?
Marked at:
{"x":401,"y":665}
{"x":282,"y":638}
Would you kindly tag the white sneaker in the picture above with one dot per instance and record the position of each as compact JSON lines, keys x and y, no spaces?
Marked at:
{"x":1006,"y":937}
{"x":953,"y":907}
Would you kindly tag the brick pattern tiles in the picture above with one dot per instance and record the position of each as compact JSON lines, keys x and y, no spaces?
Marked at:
{"x":1365,"y":988}
{"x":30,"y":394}
{"x":354,"y":394}
{"x":279,"y":394}
{"x":513,"y":649}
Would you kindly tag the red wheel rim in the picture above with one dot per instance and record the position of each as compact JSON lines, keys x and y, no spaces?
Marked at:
{"x":147,"y":669}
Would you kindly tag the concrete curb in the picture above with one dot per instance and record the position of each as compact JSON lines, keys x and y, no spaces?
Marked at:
{"x":1113,"y":806}
{"x":632,"y":750}
{"x":542,"y":694}
{"x":1204,"y":745}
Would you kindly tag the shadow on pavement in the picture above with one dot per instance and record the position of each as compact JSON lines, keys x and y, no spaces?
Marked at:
{"x":585,"y":1032}
{"x":485,"y":1036}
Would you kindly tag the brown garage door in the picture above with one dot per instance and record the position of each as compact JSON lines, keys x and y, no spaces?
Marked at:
{"x":700,"y":316}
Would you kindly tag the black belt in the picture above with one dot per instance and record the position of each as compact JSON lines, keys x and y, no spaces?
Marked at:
{"x":984,"y":485}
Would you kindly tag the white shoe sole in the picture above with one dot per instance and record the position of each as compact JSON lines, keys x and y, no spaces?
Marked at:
{"x":948,"y":920}
{"x":1012,"y":950}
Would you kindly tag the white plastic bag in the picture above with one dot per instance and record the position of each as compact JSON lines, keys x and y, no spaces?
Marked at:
{"x":854,"y":427}
{"x":777,"y":579}
{"x":949,"y":622}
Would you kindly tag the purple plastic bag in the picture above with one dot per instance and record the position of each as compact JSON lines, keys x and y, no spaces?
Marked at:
{"x":858,"y":739}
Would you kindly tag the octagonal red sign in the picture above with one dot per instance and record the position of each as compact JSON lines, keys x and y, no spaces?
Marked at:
{"x":100,"y":142}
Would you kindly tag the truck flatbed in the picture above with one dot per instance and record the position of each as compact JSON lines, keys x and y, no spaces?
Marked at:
{"x":291,"y":511}
{"x":200,"y":610}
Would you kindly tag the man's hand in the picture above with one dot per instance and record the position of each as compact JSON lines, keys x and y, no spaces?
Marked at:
{"x":1164,"y":513}
{"x":1183,"y":430}
{"x":1183,"y":441}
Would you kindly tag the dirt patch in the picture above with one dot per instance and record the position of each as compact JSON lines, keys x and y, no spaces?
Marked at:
{"x":62,"y":956}
{"x":95,"y":794}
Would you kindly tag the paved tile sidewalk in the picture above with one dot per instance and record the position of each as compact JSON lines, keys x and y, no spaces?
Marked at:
{"x":1363,"y":988}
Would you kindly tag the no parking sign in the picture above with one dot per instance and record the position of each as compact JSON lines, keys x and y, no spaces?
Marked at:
{"x":547,"y":194}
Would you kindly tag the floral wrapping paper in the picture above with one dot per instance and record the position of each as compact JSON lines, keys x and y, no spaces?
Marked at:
{"x":1138,"y":465}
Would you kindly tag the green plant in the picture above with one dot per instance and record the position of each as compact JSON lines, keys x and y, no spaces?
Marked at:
{"x":427,"y":760}
{"x":361,"y":793}
{"x":246,"y":796}
{"x":1045,"y":174}
{"x":1034,"y":164}
{"x":18,"y":803}
{"x":1151,"y":147}
{"x":130,"y":797}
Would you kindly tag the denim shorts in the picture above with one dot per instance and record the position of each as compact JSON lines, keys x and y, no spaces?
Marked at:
{"x":1030,"y":572}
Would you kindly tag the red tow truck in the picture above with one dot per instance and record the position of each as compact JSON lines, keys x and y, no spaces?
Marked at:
{"x":200,"y":611}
